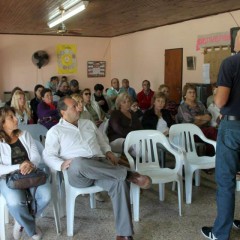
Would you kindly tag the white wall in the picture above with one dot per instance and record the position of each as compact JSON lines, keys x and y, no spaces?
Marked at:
{"x":140,"y":56}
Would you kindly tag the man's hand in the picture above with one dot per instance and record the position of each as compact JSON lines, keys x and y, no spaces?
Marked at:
{"x":66,"y":164}
{"x":111,"y":157}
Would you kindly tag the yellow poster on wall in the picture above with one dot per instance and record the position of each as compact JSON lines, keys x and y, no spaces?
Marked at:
{"x":66,"y":58}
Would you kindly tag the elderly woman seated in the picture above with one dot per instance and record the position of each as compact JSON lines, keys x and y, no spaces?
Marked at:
{"x":193,"y":111}
{"x":18,"y":151}
{"x":121,"y":122}
{"x":47,"y":111}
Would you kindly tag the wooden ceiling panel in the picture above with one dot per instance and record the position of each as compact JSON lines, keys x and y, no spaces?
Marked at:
{"x":106,"y":18}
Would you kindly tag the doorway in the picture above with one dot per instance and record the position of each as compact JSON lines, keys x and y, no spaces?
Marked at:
{"x":173,"y":73}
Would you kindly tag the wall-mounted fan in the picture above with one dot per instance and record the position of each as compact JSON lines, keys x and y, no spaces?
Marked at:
{"x":61,"y":29}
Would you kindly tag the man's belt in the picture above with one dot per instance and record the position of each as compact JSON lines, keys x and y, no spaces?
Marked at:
{"x":231,"y":118}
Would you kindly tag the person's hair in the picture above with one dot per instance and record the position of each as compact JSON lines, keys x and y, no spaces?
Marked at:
{"x":125,"y":79}
{"x":44,"y":91}
{"x":62,"y":106}
{"x":85,"y":90}
{"x":99,"y":87}
{"x":74,"y":83}
{"x":15,"y":103}
{"x":76,"y":97}
{"x":158,"y":95}
{"x":120,"y":98}
{"x":4,"y":111}
{"x":162,"y":86}
{"x":37,"y":87}
{"x":61,"y":83}
{"x":186,"y":87}
{"x":14,"y":90}
{"x":54,"y":78}
{"x":64,"y":78}
{"x":146,"y":82}
{"x":114,"y":79}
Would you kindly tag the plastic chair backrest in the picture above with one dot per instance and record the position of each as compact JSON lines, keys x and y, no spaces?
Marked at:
{"x":37,"y":131}
{"x":146,"y":143}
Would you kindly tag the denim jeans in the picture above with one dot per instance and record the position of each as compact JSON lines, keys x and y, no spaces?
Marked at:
{"x":16,"y":202}
{"x":227,"y":165}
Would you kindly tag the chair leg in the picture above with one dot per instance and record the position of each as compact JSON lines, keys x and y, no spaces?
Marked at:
{"x":197,"y":175}
{"x":92,"y":200}
{"x":180,"y":196}
{"x":188,"y":186}
{"x":161,"y":191}
{"x":70,"y":206}
{"x":3,"y":218}
{"x":136,"y":201}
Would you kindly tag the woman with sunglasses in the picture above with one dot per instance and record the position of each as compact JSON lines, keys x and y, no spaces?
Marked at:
{"x":92,"y":107}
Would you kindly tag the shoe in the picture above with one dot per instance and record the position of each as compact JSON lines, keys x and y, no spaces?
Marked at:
{"x":124,"y":238}
{"x":236,"y":224}
{"x":207,"y":233}
{"x":99,"y":197}
{"x":142,"y":181}
{"x":17,"y":231}
{"x":38,"y":234}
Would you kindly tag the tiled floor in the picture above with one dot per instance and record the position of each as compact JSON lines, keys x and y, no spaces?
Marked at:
{"x":159,"y":220}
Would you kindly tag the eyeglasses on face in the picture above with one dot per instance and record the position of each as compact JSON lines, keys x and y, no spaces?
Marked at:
{"x":87,"y":93}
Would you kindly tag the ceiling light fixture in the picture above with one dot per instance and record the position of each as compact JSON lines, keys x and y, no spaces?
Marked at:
{"x":69,"y":13}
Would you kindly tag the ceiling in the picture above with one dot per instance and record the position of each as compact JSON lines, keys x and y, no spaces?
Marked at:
{"x":107,"y":18}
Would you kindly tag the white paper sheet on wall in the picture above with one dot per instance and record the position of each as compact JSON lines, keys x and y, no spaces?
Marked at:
{"x":206,"y":73}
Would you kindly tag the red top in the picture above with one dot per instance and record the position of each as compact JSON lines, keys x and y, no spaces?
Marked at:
{"x":144,"y":101}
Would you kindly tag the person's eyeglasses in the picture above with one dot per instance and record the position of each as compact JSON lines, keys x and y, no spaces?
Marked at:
{"x":87,"y":93}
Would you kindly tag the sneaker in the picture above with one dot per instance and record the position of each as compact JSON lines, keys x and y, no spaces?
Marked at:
{"x":207,"y":233}
{"x":17,"y":231}
{"x":236,"y":224}
{"x":99,"y":197}
{"x":38,"y":234}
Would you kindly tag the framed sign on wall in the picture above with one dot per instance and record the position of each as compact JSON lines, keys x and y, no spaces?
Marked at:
{"x":96,"y":68}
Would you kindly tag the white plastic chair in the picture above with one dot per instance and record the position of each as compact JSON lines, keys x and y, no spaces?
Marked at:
{"x":182,"y":135}
{"x":145,"y":142}
{"x":4,"y":217}
{"x":71,"y":194}
{"x":37,"y":131}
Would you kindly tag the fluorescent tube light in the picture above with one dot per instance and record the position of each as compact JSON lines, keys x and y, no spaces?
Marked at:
{"x":69,"y":13}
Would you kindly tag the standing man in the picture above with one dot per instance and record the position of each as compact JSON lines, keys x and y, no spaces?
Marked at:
{"x":227,"y":99}
{"x":145,"y":96}
{"x":125,"y":87}
{"x":77,"y":145}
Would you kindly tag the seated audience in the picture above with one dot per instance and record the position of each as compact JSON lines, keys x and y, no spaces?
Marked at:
{"x":210,"y":99}
{"x":100,"y":99}
{"x":126,"y":88}
{"x":113,"y":92}
{"x":145,"y":96}
{"x":23,"y":112}
{"x":121,"y":122}
{"x":35,"y":101}
{"x":62,"y":90}
{"x":52,"y":84}
{"x":76,"y":145}
{"x":18,"y":151}
{"x":192,"y":111}
{"x":8,"y":103}
{"x":91,"y":106}
{"x":47,"y":111}
{"x":157,"y":117}
{"x":74,"y":87}
{"x":171,"y":106}
{"x":135,"y":109}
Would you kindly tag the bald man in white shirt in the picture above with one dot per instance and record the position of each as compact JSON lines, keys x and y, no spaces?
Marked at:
{"x":78,"y":146}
